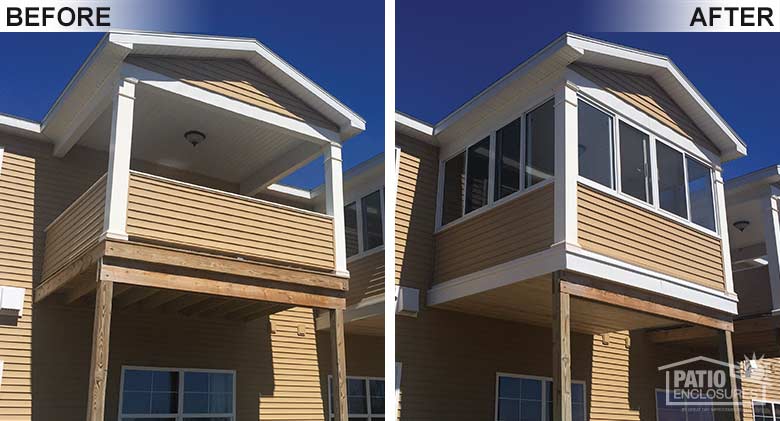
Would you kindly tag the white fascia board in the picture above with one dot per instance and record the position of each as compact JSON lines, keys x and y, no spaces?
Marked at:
{"x":414,"y":128}
{"x":756,"y":180}
{"x":351,"y":123}
{"x":20,"y":126}
{"x":291,"y":126}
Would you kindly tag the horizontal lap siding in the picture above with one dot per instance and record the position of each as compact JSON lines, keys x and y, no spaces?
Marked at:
{"x":366,"y":277}
{"x":34,"y":189}
{"x":763,"y":384}
{"x":415,"y":213}
{"x":76,"y":230}
{"x":626,"y":232}
{"x":518,"y":228}
{"x":183,"y":215}
{"x":610,"y":397}
{"x":235,"y":79}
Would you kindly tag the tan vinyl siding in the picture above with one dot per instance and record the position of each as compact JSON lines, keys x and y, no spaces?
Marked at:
{"x":644,"y":94}
{"x":183,"y":215}
{"x":519,"y":227}
{"x":76,"y":230}
{"x":366,"y":277}
{"x":610,"y":392}
{"x":617,"y":229}
{"x":235,"y":79}
{"x":415,"y":216}
{"x":763,"y":384}
{"x":34,"y":189}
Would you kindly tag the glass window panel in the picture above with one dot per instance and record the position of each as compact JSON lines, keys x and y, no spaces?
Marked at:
{"x":635,"y":175}
{"x":540,"y":144}
{"x":595,"y":148}
{"x":700,"y":191}
{"x":357,"y":402}
{"x":509,"y":387}
{"x":196,"y":382}
{"x":136,"y":402}
{"x":454,"y":184}
{"x":207,"y":419}
{"x":507,"y":160}
{"x":477,"y":175}
{"x":578,"y":393}
{"x":763,"y":411}
{"x":165,"y":402}
{"x":220,"y":382}
{"x":377,"y":391}
{"x":372,"y":220}
{"x":671,"y":180}
{"x":531,"y":389}
{"x":196,"y":403}
{"x":153,"y":419}
{"x":350,"y":228}
{"x":508,"y":410}
{"x":530,"y":410}
{"x":138,"y":380}
{"x":220,"y":403}
{"x":165,"y":381}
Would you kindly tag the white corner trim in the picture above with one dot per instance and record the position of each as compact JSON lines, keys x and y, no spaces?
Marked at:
{"x":517,"y":270}
{"x":2,"y":151}
{"x":365,"y":309}
{"x":597,"y":265}
{"x":293,"y":127}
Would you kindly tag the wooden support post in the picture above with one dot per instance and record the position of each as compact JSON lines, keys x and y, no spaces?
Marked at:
{"x":561,"y":398}
{"x":339,"y":365}
{"x":726,"y":354}
{"x":101,"y":330}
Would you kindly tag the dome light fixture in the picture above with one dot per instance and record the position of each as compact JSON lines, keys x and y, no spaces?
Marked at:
{"x":741,"y":225}
{"x":194,"y":137}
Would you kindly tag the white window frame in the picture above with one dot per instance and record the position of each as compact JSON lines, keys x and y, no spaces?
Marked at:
{"x":492,"y":202}
{"x":366,"y":380}
{"x":2,"y":151}
{"x":657,"y":417}
{"x":180,"y":415}
{"x":654,"y":204}
{"x":359,"y":210}
{"x":775,"y":414}
{"x":544,"y":392}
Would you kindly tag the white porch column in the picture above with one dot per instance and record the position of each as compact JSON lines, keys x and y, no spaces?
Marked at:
{"x":566,"y":164}
{"x":723,"y":227}
{"x":771,"y":238}
{"x":118,"y":179}
{"x":334,"y":204}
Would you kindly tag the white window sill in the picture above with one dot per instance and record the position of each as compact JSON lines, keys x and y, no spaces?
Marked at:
{"x":363,"y":254}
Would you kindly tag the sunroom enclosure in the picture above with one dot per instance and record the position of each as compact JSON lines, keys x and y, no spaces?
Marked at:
{"x":138,"y":238}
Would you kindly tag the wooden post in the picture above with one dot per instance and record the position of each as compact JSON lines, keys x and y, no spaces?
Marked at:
{"x":101,"y":330}
{"x":726,"y":354}
{"x":339,"y":365}
{"x":561,"y":398}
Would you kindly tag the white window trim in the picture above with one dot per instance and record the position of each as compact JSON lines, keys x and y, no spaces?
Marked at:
{"x":365,"y":379}
{"x":359,"y":211}
{"x":180,"y":415}
{"x":654,"y":205}
{"x":775,"y":415}
{"x":657,"y":418}
{"x":492,"y":201}
{"x":544,"y":392}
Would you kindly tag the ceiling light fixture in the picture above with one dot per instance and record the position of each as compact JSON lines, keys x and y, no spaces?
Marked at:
{"x":194,"y":137}
{"x":741,"y":225}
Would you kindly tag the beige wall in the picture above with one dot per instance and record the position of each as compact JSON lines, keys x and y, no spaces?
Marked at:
{"x":753,"y":289}
{"x":366,"y":277}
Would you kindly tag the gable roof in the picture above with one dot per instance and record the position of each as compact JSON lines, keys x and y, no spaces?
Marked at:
{"x":572,"y":48}
{"x":114,"y":48}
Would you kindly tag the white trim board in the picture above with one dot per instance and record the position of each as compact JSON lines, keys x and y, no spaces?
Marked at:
{"x":2,"y":152}
{"x":575,"y":259}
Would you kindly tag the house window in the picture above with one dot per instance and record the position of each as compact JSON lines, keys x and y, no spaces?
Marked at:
{"x":454,"y":182}
{"x":177,"y":394}
{"x":766,"y":411}
{"x":540,"y":144}
{"x":365,"y":398}
{"x":372,"y":220}
{"x":507,"y":160}
{"x":635,"y":174}
{"x":671,"y":180}
{"x":700,"y":194}
{"x":530,"y":399}
{"x":595,"y":148}
{"x":477,"y":175}
{"x":351,"y":229}
{"x":677,"y":409}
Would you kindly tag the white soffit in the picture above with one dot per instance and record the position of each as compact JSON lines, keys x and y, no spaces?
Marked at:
{"x":72,"y":108}
{"x":571,"y":48}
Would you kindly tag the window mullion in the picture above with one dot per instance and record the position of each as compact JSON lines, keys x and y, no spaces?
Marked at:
{"x":465,"y":182}
{"x":440,"y":193}
{"x":656,"y":200}
{"x":492,"y":168}
{"x":687,"y":189}
{"x":359,"y":212}
{"x":521,"y":182}
{"x":616,"y":163}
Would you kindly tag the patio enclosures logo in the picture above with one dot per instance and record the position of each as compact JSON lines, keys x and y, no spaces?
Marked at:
{"x":93,"y":15}
{"x":684,"y":16}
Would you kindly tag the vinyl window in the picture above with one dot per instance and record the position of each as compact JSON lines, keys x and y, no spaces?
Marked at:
{"x":365,"y":398}
{"x":177,"y":394}
{"x":595,"y":147}
{"x":363,"y":223}
{"x":507,"y":168}
{"x":681,"y":409}
{"x":477,"y":175}
{"x":525,"y":398}
{"x":766,"y":411}
{"x":351,"y":229}
{"x":635,"y":163}
{"x":540,"y":144}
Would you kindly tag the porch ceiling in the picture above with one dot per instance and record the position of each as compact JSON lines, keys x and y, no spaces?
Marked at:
{"x":530,"y":302}
{"x":235,"y":147}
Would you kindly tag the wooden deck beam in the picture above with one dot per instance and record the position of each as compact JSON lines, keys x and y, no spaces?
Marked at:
{"x":561,"y":326}
{"x":101,"y":332}
{"x":69,"y":272}
{"x":338,"y":365}
{"x":186,"y":283}
{"x":681,"y":334}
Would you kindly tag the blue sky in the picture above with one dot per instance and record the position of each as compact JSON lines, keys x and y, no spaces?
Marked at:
{"x":339,"y":45}
{"x":446,"y":55}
